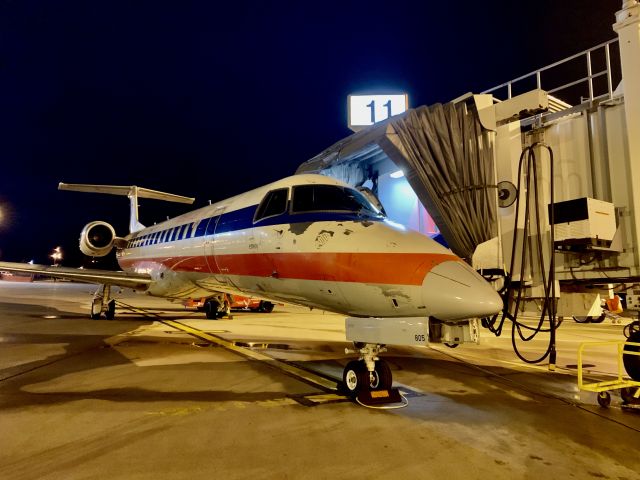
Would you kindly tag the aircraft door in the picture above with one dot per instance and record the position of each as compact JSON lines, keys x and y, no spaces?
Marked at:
{"x":210,"y":247}
{"x":228,"y":247}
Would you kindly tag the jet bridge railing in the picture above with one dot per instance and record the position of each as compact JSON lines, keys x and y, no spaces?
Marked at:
{"x":597,"y":62}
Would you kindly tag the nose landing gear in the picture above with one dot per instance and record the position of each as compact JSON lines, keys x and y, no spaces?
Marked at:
{"x":369,"y":379}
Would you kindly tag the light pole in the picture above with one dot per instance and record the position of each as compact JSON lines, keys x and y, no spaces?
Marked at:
{"x":56,"y":255}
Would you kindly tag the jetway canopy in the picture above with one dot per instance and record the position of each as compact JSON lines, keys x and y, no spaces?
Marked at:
{"x":447,"y":158}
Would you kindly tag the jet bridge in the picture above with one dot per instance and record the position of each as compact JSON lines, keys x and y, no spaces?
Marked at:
{"x":446,"y":156}
{"x":461,"y":159}
{"x":535,"y":178}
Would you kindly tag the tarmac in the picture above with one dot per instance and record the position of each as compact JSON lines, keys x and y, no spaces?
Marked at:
{"x":161,"y":392}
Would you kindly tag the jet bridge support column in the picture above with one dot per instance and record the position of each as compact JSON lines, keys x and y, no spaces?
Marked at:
{"x":627,"y":27}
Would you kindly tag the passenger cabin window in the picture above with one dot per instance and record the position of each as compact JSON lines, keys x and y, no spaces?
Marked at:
{"x":211,"y":226}
{"x":202,"y":227}
{"x":330,"y":198}
{"x":274,"y":203}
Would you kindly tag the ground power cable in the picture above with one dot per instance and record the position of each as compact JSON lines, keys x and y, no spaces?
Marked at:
{"x":529,"y":162}
{"x":405,"y":403}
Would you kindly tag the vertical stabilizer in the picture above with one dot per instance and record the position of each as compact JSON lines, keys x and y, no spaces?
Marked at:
{"x":134,"y":223}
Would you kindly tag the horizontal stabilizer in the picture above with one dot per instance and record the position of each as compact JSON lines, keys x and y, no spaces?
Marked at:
{"x":125,"y":191}
{"x":137,"y":281}
{"x":132,"y":192}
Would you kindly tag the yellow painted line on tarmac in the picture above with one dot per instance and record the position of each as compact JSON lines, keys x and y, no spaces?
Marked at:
{"x":253,"y":355}
{"x":222,"y":406}
{"x":292,"y":370}
{"x":466,"y":358}
{"x":325,"y":398}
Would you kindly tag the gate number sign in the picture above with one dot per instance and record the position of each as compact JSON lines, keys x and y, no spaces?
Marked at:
{"x":365,"y":110}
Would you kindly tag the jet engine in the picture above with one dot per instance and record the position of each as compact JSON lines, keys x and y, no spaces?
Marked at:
{"x":97,"y":239}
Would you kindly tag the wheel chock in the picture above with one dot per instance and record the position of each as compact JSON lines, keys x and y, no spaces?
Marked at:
{"x":379,"y":397}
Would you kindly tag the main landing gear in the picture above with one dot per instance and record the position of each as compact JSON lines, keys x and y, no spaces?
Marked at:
{"x":369,"y":379}
{"x":217,"y":307}
{"x":103,"y":303}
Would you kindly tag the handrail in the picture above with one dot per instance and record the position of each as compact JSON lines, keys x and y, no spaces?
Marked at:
{"x":588,"y":78}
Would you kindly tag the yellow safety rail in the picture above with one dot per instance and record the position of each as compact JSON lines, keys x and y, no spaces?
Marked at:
{"x":607,"y":385}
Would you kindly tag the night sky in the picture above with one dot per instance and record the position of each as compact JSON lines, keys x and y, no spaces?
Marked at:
{"x":210,"y":99}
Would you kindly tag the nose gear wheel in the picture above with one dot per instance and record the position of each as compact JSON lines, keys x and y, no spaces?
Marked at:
{"x":369,"y":373}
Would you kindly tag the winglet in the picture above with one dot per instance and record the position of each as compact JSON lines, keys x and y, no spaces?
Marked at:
{"x":133,"y":192}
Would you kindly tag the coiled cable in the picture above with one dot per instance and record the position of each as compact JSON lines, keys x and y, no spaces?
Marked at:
{"x":511,"y":288}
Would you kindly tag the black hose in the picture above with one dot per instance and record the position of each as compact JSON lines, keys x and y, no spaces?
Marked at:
{"x":510,"y":288}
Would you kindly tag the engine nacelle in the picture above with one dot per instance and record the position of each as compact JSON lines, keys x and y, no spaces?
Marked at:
{"x":97,"y":239}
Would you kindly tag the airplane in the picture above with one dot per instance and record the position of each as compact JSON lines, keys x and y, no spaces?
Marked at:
{"x":309,"y":240}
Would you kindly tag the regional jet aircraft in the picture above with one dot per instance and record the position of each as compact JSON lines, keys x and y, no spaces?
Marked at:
{"x":308,"y":240}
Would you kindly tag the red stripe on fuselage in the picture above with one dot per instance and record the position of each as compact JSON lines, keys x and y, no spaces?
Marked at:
{"x":385,"y":268}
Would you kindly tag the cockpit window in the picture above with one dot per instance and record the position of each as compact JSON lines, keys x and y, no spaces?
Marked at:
{"x":330,"y":198}
{"x":274,"y":203}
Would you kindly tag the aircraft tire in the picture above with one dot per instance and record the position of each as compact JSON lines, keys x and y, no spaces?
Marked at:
{"x":384,"y":379}
{"x":95,"y":311}
{"x":211,"y":309}
{"x":354,"y":377}
{"x":265,"y":307}
{"x":110,"y":314}
{"x":632,"y":362}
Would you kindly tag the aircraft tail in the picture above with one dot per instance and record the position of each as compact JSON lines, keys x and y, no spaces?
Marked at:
{"x":133,"y":192}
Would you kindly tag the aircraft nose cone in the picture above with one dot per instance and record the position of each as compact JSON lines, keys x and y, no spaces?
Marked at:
{"x":453,"y":290}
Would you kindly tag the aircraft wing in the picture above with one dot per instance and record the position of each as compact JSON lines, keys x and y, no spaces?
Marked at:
{"x":138,"y":281}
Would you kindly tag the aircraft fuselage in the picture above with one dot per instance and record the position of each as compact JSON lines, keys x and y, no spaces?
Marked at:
{"x":347,"y":260}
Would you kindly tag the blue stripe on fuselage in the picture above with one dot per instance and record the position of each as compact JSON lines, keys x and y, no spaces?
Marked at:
{"x":242,"y":219}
